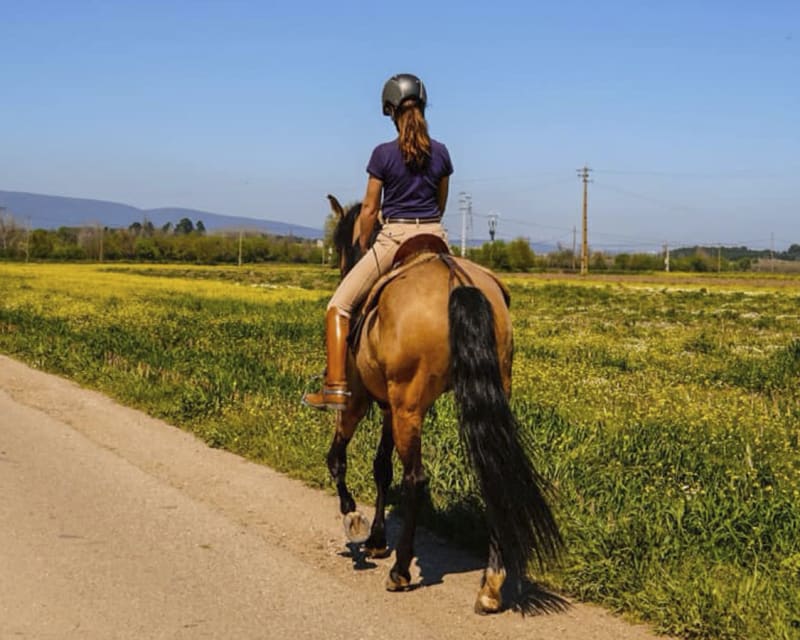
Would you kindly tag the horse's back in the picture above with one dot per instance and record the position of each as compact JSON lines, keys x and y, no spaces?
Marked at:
{"x":407,"y":340}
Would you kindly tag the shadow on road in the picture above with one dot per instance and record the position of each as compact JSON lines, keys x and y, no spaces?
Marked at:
{"x":437,"y":558}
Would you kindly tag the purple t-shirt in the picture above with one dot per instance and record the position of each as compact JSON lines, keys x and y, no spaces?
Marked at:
{"x":407,"y":193}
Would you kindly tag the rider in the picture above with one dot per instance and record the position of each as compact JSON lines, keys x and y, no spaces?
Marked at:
{"x":412,"y":173}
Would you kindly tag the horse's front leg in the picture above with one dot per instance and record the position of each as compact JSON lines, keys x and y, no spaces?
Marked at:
{"x":376,"y":546}
{"x":356,"y":525}
{"x":406,"y":428}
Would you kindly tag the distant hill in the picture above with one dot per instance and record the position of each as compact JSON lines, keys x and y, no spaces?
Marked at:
{"x":52,"y":212}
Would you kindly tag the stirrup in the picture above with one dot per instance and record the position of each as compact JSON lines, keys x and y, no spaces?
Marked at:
{"x":335,"y":399}
{"x":312,"y":383}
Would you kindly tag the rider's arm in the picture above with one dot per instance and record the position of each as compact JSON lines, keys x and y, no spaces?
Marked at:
{"x":441,"y":193}
{"x":369,"y":210}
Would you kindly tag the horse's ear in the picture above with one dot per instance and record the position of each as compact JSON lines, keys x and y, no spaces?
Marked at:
{"x":335,"y":206}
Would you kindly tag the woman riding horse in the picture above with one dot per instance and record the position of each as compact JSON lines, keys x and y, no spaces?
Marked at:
{"x":435,"y":324}
{"x":412,"y":172}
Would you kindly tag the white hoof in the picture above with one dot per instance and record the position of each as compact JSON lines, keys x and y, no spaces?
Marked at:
{"x":356,"y":527}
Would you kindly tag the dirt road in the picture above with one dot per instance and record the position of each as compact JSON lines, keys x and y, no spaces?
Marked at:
{"x":116,"y":525}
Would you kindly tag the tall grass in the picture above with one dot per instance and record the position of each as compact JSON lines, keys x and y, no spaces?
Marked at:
{"x":667,"y":418}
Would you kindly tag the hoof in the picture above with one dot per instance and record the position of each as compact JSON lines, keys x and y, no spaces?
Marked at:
{"x":396,"y":582}
{"x":356,"y":527}
{"x":486,"y":604}
{"x":376,"y":552}
{"x":489,"y":599}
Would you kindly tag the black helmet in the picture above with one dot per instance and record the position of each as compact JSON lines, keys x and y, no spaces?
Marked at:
{"x":401,"y":87}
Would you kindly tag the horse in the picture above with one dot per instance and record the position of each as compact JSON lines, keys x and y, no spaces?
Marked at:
{"x":441,"y":324}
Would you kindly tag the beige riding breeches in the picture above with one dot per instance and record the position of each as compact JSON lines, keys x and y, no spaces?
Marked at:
{"x":355,"y":286}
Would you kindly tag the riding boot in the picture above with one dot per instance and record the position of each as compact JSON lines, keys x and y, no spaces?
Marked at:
{"x":334,"y":392}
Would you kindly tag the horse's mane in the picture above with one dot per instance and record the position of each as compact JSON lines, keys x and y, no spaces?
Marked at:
{"x":343,"y":239}
{"x":343,"y":233}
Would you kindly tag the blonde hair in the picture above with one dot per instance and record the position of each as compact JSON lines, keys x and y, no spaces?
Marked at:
{"x":412,"y":129}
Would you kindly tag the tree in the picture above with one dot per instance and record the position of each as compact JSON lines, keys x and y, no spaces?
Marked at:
{"x":330,"y":226}
{"x":491,"y":254}
{"x":41,"y":244}
{"x":520,"y":255}
{"x":146,"y":249}
{"x":8,"y":229}
{"x":184,"y":226}
{"x":200,"y":227}
{"x":561,"y":259}
{"x":637,"y":262}
{"x":90,"y":239}
{"x":622,"y":261}
{"x":598,"y":261}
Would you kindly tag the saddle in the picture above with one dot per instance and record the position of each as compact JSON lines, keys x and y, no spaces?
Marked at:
{"x":422,"y":243}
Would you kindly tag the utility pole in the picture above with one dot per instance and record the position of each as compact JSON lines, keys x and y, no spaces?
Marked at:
{"x":240,"y":247}
{"x":465,"y":205}
{"x":492,"y":225}
{"x":584,"y":175}
{"x":574,"y":240}
{"x":4,"y":229}
{"x":666,"y":257}
{"x":102,"y":230}
{"x":28,"y":239}
{"x":719,"y":258}
{"x":772,"y":251}
{"x":469,"y":212}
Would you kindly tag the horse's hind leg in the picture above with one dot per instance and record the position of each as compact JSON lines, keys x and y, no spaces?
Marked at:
{"x":356,"y":526}
{"x":376,"y":546}
{"x":489,"y":599}
{"x":406,"y":429}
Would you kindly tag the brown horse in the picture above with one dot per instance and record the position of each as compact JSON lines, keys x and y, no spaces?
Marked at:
{"x":443,"y":323}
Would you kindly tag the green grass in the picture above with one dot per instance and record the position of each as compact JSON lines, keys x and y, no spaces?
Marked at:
{"x":667,"y":417}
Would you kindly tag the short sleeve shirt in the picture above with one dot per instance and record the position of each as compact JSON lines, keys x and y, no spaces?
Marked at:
{"x":407,"y":193}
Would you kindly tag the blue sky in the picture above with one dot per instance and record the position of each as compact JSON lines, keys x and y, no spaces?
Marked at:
{"x":688,"y":112}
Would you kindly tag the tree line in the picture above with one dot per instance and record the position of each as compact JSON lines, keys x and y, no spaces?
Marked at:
{"x":517,"y":256}
{"x":188,"y":241}
{"x":183,"y":241}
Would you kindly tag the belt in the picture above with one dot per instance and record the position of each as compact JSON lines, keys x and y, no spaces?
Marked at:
{"x":411,"y":220}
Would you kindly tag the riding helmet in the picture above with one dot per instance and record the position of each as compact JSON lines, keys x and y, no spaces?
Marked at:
{"x":401,"y":87}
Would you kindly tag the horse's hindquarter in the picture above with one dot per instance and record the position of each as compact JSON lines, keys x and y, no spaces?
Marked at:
{"x":487,"y":282}
{"x":406,"y":341}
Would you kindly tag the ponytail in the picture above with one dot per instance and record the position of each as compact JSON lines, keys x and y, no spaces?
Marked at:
{"x":415,"y":143}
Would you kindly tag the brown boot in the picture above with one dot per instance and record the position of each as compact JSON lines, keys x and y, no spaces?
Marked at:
{"x":334,"y":392}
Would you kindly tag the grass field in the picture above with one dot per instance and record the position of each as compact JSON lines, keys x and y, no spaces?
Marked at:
{"x":666,"y":412}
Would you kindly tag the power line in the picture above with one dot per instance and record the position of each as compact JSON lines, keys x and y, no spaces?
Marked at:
{"x":639,"y":196}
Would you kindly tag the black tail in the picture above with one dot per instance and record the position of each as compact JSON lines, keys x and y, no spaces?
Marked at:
{"x":518,"y":514}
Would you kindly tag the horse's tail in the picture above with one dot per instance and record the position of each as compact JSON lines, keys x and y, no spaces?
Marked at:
{"x":519,"y":517}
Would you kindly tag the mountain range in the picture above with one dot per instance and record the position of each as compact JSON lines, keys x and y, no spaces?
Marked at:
{"x":51,"y":212}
